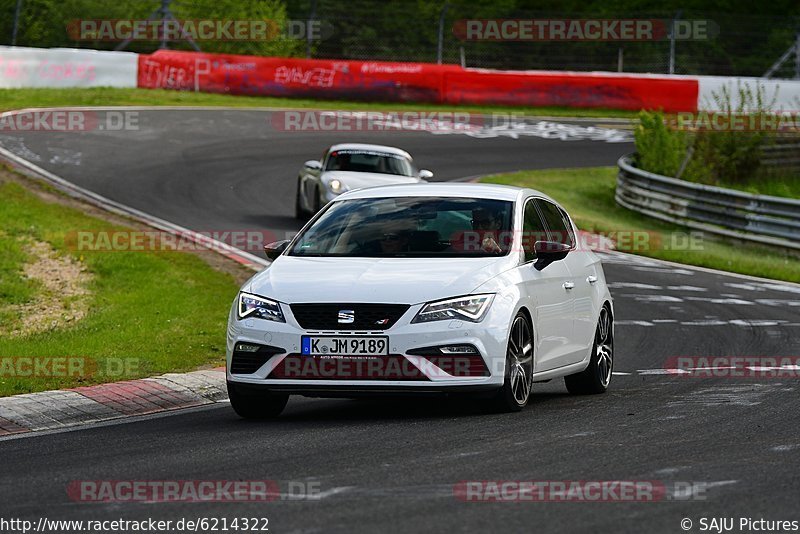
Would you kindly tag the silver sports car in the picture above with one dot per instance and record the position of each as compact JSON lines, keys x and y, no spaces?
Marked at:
{"x":352,"y":166}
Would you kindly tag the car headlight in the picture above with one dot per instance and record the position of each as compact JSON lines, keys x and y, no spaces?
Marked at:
{"x":336,"y":186}
{"x":470,"y":308}
{"x":259,"y":307}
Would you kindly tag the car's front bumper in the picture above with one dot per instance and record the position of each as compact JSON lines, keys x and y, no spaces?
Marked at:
{"x":410,"y":373}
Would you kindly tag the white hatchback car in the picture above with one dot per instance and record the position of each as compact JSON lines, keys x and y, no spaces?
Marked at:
{"x":422,"y":289}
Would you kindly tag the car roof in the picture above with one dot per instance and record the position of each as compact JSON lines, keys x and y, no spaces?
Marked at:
{"x":444,"y":189}
{"x":372,"y":148}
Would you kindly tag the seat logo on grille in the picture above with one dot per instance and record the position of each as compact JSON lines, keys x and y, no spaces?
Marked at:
{"x":347,"y":316}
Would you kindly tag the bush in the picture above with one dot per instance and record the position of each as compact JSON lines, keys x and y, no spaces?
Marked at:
{"x":659,"y":149}
{"x":706,"y":156}
{"x":732,"y":157}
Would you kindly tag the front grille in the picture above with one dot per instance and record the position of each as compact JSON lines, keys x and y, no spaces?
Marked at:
{"x":367,"y":316}
{"x":247,"y":363}
{"x":393,"y":367}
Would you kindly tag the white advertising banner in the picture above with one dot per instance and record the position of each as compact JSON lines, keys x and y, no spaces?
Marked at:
{"x":66,"y":67}
{"x":783,"y":94}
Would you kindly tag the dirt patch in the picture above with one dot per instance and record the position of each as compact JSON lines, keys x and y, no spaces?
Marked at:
{"x":63,"y":297}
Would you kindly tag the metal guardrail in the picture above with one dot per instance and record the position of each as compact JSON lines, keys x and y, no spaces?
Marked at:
{"x":784,"y":152}
{"x":760,"y":218}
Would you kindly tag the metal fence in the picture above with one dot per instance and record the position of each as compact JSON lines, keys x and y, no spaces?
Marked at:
{"x":748,"y":43}
{"x":759,"y":218}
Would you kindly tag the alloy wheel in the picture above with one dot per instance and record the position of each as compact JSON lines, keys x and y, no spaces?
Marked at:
{"x":520,"y":360}
{"x":604,"y":346}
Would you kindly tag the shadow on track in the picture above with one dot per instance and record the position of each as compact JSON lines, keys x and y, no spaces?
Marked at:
{"x":392,"y":409}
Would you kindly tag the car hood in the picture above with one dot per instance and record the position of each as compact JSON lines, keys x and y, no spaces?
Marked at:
{"x":386,"y":280}
{"x":356,"y":180}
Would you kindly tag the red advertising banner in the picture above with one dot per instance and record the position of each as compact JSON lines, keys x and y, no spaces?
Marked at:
{"x":578,"y":90}
{"x":357,"y":80}
{"x":409,"y":82}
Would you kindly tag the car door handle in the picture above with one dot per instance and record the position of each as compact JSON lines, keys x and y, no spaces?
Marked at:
{"x":591,"y":279}
{"x":569,"y":285}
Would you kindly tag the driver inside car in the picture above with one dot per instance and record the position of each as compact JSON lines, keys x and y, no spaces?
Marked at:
{"x":486,"y":227}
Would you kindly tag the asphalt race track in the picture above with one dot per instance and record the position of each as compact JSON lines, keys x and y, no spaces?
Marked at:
{"x":391,"y":465}
{"x":232,"y":170}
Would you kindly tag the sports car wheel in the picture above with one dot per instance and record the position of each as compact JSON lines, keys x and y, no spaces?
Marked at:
{"x":299,"y":212}
{"x":317,"y":201}
{"x":596,"y":377}
{"x":516,"y":390}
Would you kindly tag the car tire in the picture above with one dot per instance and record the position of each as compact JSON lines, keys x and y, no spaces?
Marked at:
{"x":516,"y":390}
{"x":255,"y":404}
{"x":597,"y":375}
{"x":299,"y":212}
{"x":317,"y":201}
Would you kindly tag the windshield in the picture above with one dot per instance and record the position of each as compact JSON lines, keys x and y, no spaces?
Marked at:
{"x":369,"y":161}
{"x":410,"y":227}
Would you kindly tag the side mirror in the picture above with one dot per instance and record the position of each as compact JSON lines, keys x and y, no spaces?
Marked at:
{"x":273,"y":250}
{"x":549,"y":251}
{"x":425,"y":174}
{"x":313,"y":165}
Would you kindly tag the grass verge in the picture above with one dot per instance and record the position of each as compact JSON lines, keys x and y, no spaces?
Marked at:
{"x":588,"y":195}
{"x":107,"y":96}
{"x":149,"y":313}
{"x":769,"y":182}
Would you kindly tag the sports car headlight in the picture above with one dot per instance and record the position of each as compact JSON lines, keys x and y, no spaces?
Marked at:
{"x":259,"y":307}
{"x":336,"y":186}
{"x":470,"y":308}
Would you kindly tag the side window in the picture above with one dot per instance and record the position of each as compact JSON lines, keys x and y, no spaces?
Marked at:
{"x":533,"y":230}
{"x":570,"y":230}
{"x":558,"y":228}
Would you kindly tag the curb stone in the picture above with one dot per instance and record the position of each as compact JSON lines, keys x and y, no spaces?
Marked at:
{"x":52,"y":410}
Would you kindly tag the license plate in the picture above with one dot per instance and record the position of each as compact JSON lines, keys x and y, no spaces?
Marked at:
{"x":345,"y":345}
